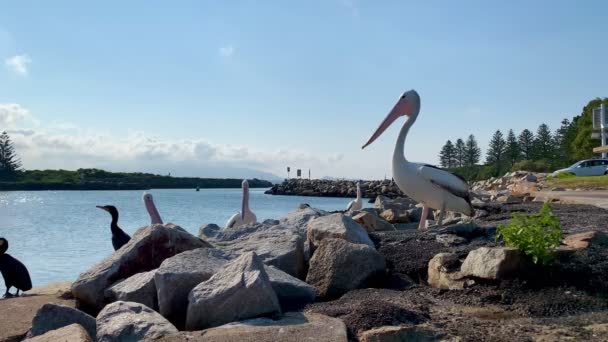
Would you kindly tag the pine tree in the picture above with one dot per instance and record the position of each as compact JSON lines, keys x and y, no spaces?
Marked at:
{"x":526,"y":144}
{"x":9,"y":162}
{"x":447,"y":156}
{"x":543,"y":144}
{"x":563,"y":138}
{"x":460,"y":153}
{"x":513,"y":152}
{"x":472,"y":151}
{"x":496,"y":152}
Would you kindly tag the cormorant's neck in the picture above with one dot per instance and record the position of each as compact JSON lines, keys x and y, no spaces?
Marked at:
{"x":399,"y":153}
{"x":114,"y":224}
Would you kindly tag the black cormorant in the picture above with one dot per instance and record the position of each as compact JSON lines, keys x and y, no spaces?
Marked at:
{"x":119,"y":238}
{"x":15,"y":274}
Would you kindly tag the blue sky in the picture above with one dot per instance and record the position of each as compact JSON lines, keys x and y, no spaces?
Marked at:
{"x":215,"y":88}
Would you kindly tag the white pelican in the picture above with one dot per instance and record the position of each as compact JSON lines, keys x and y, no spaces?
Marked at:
{"x":427,"y":184}
{"x":244,"y":216}
{"x":151,"y":208}
{"x":357,"y":203}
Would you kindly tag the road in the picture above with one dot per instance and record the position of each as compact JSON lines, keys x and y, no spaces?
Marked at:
{"x":598,"y":198}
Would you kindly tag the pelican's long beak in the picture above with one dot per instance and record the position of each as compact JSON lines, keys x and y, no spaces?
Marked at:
{"x":402,"y":107}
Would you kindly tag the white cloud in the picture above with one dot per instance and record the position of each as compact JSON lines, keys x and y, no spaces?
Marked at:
{"x":227,"y":51}
{"x":68,"y":146}
{"x":11,"y":114}
{"x":351,"y":6}
{"x":18,"y":64}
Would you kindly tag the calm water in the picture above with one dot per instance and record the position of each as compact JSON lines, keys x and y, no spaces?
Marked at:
{"x":58,"y":234}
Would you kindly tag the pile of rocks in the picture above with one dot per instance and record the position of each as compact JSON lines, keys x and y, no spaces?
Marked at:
{"x":335,"y":188}
{"x":513,"y":187}
{"x":248,"y":280}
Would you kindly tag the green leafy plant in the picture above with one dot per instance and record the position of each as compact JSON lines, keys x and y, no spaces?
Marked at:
{"x":536,"y":235}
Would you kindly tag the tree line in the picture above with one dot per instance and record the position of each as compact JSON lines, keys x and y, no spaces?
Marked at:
{"x":542,"y":151}
{"x":10,"y":164}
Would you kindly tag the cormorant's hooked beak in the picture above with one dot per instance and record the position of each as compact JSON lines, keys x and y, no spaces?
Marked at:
{"x":402,"y":107}
{"x":102,"y":207}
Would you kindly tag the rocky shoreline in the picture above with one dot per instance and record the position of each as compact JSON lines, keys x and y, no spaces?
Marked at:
{"x":335,"y":188}
{"x":367,"y":275}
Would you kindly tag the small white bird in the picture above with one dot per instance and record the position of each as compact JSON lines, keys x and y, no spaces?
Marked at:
{"x":357,"y":203}
{"x":151,"y":208}
{"x":244,"y":216}
{"x":433,"y":187}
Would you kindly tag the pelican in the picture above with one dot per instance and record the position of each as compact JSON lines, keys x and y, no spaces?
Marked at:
{"x":244,"y":216}
{"x":427,"y":184}
{"x":119,"y":237}
{"x":357,"y":203}
{"x":151,"y":208}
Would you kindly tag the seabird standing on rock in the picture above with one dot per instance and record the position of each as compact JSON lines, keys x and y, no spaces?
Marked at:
{"x":357,"y":203}
{"x":244,"y":216}
{"x":15,"y":273}
{"x":151,"y":208}
{"x":119,"y":237}
{"x":427,"y":184}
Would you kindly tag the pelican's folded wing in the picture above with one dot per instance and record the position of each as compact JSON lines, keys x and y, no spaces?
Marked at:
{"x":446,"y":180}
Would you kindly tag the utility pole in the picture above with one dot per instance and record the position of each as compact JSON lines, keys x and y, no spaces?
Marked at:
{"x":602,"y":124}
{"x":288,"y":169}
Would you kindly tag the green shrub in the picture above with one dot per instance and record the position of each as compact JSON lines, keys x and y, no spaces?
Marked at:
{"x":536,"y":235}
{"x":562,"y":175}
{"x":542,"y":165}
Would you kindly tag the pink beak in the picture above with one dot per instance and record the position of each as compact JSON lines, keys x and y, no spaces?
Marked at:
{"x":402,"y":107}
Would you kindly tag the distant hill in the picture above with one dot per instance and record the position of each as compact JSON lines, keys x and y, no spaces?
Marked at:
{"x":95,"y":179}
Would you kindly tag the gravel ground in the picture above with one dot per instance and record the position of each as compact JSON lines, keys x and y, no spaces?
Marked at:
{"x":563,"y":301}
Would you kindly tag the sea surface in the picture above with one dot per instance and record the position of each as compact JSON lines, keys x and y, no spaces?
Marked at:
{"x":59,"y":234}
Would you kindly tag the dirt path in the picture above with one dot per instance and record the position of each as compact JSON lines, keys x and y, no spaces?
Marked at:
{"x":597,"y":198}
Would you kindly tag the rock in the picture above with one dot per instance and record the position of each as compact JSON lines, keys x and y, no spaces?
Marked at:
{"x":450,"y":240}
{"x":128,"y":321}
{"x":292,"y":327}
{"x":372,"y":223}
{"x":138,"y":288}
{"x":209,"y":231}
{"x":522,"y":188}
{"x":279,"y":245}
{"x":17,"y":314}
{"x":394,"y":216}
{"x":240,"y":290}
{"x":337,"y":226}
{"x":400,"y":204}
{"x":178,"y":275}
{"x":586,"y":239}
{"x":468,"y":231}
{"x":558,"y":189}
{"x":493,"y":263}
{"x":300,"y":218}
{"x":508,"y":199}
{"x":291,"y":291}
{"x":69,"y":333}
{"x":443,"y":272}
{"x":148,"y":247}
{"x":54,"y":316}
{"x":401,"y":333}
{"x":338,"y":266}
{"x":415,"y":214}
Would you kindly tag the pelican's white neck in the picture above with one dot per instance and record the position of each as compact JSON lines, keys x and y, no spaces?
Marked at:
{"x":245,"y":198}
{"x":399,"y":153}
{"x":358,"y":191}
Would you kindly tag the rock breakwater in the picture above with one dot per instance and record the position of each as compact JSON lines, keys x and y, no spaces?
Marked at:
{"x":335,"y":188}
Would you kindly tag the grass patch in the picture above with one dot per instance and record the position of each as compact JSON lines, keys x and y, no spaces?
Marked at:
{"x":569,"y":181}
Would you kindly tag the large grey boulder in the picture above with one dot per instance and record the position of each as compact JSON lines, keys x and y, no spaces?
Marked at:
{"x":292,"y":327}
{"x":70,"y":333}
{"x":338,"y":266}
{"x":291,"y":291}
{"x":178,"y":275}
{"x":128,"y":321}
{"x":54,"y":316}
{"x":279,"y":245}
{"x":493,"y":263}
{"x":240,"y":290}
{"x":337,"y":226}
{"x":146,"y":250}
{"x":138,"y":288}
{"x":299,"y":219}
{"x":209,"y":231}
{"x":414,"y":333}
{"x":399,"y":204}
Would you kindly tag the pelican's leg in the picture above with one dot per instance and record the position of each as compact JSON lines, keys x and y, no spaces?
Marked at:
{"x":441,"y":213}
{"x":423,"y":216}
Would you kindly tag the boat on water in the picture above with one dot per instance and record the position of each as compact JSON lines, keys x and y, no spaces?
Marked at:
{"x":198,"y":188}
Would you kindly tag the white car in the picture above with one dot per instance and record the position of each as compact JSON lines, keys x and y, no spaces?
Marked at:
{"x":590,"y":167}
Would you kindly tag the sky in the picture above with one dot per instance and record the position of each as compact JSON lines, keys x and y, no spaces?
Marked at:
{"x":246,"y":88}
